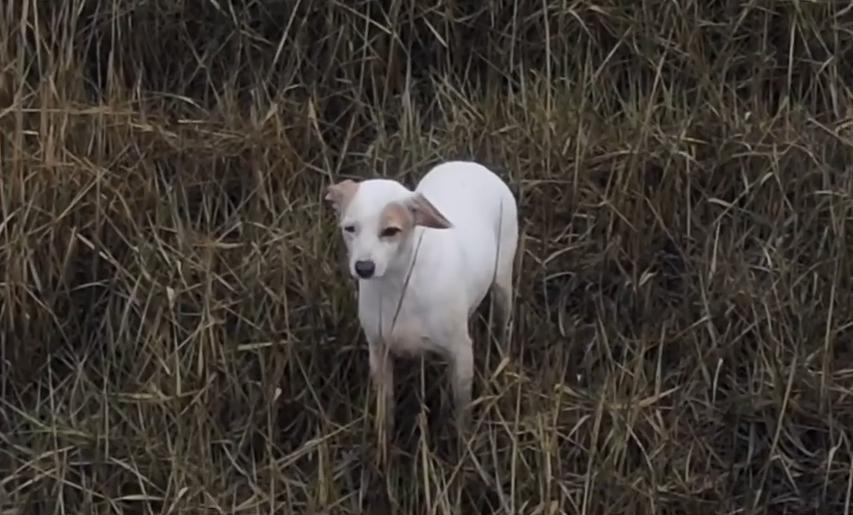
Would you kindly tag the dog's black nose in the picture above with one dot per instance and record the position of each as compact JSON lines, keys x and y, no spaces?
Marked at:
{"x":365,"y":269}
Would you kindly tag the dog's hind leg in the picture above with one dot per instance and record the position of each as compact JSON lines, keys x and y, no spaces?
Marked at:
{"x":502,"y":286}
{"x":461,"y":376}
{"x":502,"y":303}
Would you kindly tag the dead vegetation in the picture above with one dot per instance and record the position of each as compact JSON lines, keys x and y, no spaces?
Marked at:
{"x":177,"y":334}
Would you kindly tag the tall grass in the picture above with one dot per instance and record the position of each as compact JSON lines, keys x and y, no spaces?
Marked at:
{"x":177,"y":334}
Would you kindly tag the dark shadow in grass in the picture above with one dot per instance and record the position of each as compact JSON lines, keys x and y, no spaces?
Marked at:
{"x":422,"y":389}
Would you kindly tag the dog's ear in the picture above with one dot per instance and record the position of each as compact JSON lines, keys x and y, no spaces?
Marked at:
{"x":340,"y":194}
{"x":426,"y":214}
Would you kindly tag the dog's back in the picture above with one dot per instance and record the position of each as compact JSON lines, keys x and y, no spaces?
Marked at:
{"x":468,"y":194}
{"x":483,"y":212}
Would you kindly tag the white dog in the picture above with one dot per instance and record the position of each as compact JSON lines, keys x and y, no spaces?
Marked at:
{"x":424,"y":261}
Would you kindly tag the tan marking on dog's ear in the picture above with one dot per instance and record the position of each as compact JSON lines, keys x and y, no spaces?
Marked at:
{"x":426,"y":214}
{"x":340,"y":194}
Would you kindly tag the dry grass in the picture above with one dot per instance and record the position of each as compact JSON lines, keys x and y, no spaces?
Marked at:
{"x":177,"y":334}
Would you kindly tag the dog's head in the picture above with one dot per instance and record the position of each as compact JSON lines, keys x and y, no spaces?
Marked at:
{"x":377,"y":218}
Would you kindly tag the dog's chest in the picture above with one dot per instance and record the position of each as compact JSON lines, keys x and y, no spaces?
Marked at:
{"x":408,"y":335}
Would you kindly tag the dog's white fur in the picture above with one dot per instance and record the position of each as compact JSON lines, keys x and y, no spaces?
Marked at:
{"x":457,"y":238}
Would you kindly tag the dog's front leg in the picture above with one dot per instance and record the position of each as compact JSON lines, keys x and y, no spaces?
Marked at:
{"x":382,"y":373}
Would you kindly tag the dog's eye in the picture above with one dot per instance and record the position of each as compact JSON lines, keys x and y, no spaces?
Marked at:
{"x":389,"y":232}
{"x":349,"y":228}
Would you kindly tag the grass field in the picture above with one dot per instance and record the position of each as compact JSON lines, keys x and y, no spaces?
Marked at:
{"x":178,"y":334}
